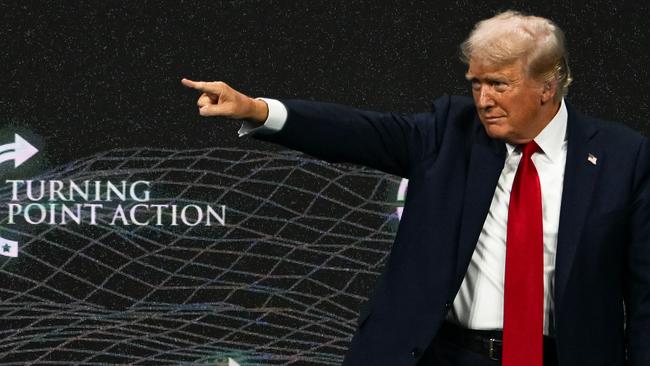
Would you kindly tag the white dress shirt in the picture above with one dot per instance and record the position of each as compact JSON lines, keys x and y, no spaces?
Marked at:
{"x":479,"y":302}
{"x":274,"y":120}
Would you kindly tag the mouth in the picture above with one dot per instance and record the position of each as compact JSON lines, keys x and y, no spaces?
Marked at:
{"x":492,"y":119}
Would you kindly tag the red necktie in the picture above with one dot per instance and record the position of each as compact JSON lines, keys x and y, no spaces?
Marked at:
{"x":524,"y":284}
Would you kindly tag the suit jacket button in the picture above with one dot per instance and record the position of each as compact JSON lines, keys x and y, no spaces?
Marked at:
{"x":416,"y":352}
{"x":448,"y":306}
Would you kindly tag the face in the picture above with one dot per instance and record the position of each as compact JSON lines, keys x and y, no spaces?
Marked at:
{"x":510,"y":104}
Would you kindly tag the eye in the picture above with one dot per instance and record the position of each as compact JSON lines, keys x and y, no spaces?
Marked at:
{"x":476,"y":85}
{"x":500,"y":86}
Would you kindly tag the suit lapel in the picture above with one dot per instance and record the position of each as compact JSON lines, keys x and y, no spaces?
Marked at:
{"x":579,"y":180}
{"x":486,"y":161}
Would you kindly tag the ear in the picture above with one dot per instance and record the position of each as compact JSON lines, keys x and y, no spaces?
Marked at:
{"x":549,"y":89}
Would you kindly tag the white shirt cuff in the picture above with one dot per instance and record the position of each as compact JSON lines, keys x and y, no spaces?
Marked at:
{"x":274,"y":121}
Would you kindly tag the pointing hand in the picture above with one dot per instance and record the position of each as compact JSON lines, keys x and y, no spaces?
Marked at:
{"x":219,"y":99}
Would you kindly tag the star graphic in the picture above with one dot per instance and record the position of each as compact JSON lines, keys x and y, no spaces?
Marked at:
{"x":6,"y":248}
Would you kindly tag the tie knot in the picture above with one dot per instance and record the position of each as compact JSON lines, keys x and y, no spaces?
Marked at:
{"x":529,"y":149}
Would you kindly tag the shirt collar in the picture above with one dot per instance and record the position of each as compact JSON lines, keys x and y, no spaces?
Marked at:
{"x":553,"y":136}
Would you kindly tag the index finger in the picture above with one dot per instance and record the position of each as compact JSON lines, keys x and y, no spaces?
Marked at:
{"x":198,"y":85}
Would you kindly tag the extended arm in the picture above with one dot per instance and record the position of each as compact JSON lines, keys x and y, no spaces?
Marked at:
{"x":336,"y":133}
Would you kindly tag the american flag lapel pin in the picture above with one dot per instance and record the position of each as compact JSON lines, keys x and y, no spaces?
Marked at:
{"x":592,"y":159}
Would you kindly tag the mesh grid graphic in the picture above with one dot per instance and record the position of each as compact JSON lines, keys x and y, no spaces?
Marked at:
{"x":280,"y":284}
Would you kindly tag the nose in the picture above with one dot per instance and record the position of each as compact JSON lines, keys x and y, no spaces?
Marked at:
{"x":484,"y":100}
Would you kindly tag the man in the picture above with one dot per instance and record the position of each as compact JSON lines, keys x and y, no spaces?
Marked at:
{"x":525,"y":238}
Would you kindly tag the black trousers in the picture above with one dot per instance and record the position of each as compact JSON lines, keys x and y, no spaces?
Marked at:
{"x":444,"y":353}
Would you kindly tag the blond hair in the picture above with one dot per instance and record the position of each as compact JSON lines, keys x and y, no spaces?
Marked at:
{"x":510,"y":36}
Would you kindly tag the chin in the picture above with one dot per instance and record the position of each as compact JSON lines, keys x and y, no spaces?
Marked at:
{"x":496,"y":132}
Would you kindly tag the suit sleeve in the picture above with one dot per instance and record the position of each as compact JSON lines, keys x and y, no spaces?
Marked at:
{"x":385,"y":141}
{"x":638,"y":280}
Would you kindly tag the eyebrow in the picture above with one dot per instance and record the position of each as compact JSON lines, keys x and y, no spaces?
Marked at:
{"x":488,"y":77}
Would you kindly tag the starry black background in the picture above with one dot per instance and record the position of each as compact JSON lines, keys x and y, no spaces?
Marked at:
{"x":79,"y":78}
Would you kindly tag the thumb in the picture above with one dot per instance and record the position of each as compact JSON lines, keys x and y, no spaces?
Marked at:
{"x":214,"y":110}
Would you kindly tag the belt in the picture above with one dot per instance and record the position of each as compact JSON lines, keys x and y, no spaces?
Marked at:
{"x":486,"y":342}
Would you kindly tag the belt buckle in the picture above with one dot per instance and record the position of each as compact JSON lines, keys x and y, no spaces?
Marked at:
{"x":494,"y":349}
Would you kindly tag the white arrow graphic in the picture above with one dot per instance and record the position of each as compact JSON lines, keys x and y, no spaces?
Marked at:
{"x":19,"y":151}
{"x":232,"y":362}
{"x":8,"y":248}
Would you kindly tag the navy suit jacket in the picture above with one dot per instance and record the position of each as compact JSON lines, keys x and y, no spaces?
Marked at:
{"x":602,"y":271}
